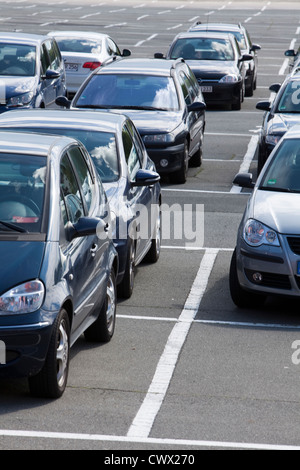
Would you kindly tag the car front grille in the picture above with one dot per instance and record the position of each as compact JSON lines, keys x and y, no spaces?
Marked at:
{"x":294,"y":243}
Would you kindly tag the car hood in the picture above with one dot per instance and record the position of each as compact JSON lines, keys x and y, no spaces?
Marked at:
{"x":279,"y":211}
{"x":206,"y":69}
{"x":148,"y":122}
{"x":20,"y":262}
{"x":280,"y":123}
{"x":17,"y":85}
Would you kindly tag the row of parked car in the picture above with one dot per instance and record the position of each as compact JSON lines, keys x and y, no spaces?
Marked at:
{"x":72,"y":179}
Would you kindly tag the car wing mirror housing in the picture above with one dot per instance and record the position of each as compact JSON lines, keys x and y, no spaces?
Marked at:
{"x":246,"y":57}
{"x":244,"y":180}
{"x":263,"y":105}
{"x":145,"y":178}
{"x":275,"y":87}
{"x":84,"y":227}
{"x":290,"y":53}
{"x":255,"y":47}
{"x":126,"y":53}
{"x":63,"y":101}
{"x":197,"y":106}
{"x":159,"y":55}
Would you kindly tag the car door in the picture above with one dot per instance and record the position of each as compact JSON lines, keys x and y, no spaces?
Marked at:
{"x":87,"y":257}
{"x":139,"y":198}
{"x":54,"y":84}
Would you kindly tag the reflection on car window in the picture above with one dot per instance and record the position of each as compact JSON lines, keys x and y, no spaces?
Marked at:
{"x":290,"y":99}
{"x":22,"y":190}
{"x":131,"y":154}
{"x":84,"y":176}
{"x":283,"y":173}
{"x":202,"y":49}
{"x":70,"y":191}
{"x":17,"y":60}
{"x":67,"y":44}
{"x":129,"y":90}
{"x":101,"y":146}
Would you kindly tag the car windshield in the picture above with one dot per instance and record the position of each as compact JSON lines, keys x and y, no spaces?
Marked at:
{"x":101,"y":146}
{"x":129,"y":91}
{"x":290,"y":98}
{"x":87,"y":46}
{"x":22,"y":190}
{"x":283,"y":172}
{"x":17,"y":60}
{"x":202,"y":49}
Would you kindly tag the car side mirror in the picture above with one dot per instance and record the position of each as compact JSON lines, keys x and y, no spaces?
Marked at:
{"x":263,"y":105}
{"x":246,"y":57}
{"x":244,"y":180}
{"x":63,"y":101}
{"x":126,"y":53}
{"x":290,"y":53}
{"x":159,"y":55}
{"x":197,"y":106}
{"x":275,"y":87}
{"x":255,"y":47}
{"x":145,"y":178}
{"x":85,"y":226}
{"x":51,"y":74}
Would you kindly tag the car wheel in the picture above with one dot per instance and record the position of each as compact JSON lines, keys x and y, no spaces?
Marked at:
{"x":154,"y":252}
{"x":125,"y":288}
{"x":102,"y":330}
{"x":241,"y":297}
{"x":51,"y":381}
{"x":180,"y":176}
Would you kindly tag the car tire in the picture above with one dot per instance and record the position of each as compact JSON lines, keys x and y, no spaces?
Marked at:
{"x":154,"y":252}
{"x":51,"y":381}
{"x":125,"y":287}
{"x":196,"y":159}
{"x":102,"y":330}
{"x":180,"y":176}
{"x":241,"y":297}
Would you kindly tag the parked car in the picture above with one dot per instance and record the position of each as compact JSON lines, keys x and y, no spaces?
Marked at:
{"x":245,"y":44}
{"x":280,"y":115}
{"x":32,"y":72}
{"x":83,"y":52}
{"x":58,"y":268}
{"x":294,"y":58}
{"x":163,"y":99}
{"x":218,"y":64}
{"x":266,"y":260}
{"x":127,"y":173}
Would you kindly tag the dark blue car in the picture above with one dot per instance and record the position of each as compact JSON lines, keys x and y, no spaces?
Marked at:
{"x":32,"y":72}
{"x":58,"y":266}
{"x":128,"y":175}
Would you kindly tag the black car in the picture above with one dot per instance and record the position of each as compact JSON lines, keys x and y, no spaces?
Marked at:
{"x":246,"y":46}
{"x":280,"y":115}
{"x":163,"y":99}
{"x":217,"y":62}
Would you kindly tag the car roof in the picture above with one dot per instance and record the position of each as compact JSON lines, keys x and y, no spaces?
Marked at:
{"x":203,"y":34}
{"x":32,"y":144}
{"x":22,"y":38}
{"x":104,"y":120}
{"x":139,"y":65}
{"x":219,"y":26}
{"x":78,"y":34}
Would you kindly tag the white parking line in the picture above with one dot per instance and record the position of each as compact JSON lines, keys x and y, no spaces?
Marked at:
{"x":244,"y":168}
{"x":143,"y":421}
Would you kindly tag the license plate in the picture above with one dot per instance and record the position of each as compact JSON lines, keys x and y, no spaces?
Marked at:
{"x":298,"y":268}
{"x":206,"y":89}
{"x":73,"y":67}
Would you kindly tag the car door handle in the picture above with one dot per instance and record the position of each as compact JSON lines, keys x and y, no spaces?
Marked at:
{"x":94,"y":249}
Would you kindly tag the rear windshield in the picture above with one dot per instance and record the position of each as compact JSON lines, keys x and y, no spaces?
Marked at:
{"x":202,"y":49}
{"x":17,"y":60}
{"x":22,"y":192}
{"x":129,"y":91}
{"x":78,"y":45}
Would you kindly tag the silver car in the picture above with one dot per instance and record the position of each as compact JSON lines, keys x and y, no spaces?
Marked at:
{"x":266,"y":260}
{"x":83,"y":52}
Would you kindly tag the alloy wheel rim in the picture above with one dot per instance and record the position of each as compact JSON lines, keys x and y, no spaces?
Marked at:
{"x":62,"y":355}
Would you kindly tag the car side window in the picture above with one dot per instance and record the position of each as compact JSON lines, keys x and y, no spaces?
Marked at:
{"x":112,"y":47}
{"x":73,"y":207}
{"x":54,"y":59}
{"x":186,"y":87}
{"x":45,"y":62}
{"x":131,"y":153}
{"x":84,"y":176}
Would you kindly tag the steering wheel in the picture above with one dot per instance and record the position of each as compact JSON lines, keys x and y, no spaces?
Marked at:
{"x":15,"y":70}
{"x":25,"y":200}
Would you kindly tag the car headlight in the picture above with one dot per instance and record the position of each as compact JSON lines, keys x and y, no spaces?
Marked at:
{"x":273,"y":139}
{"x":159,"y":138}
{"x":25,"y":298}
{"x":231,"y":78}
{"x":257,"y":234}
{"x":20,"y":100}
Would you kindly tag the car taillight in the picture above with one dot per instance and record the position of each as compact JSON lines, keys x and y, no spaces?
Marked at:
{"x":91,"y":65}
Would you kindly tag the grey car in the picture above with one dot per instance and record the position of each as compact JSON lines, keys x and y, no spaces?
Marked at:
{"x":266,"y":260}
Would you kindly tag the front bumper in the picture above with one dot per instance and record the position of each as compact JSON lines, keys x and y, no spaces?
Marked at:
{"x":167,"y":159}
{"x":270,"y":270}
{"x":24,"y":348}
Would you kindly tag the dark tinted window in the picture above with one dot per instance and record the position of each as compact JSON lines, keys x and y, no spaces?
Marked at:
{"x":70,"y":191}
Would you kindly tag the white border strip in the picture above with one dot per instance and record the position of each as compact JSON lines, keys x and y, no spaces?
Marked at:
{"x":144,"y":419}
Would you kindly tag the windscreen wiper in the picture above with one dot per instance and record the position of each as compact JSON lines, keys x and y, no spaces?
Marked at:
{"x":13,"y":227}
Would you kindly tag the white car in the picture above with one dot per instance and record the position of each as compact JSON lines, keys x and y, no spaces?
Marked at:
{"x":83,"y":52}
